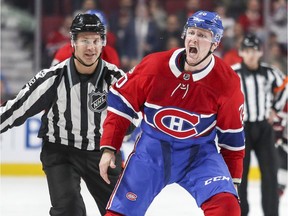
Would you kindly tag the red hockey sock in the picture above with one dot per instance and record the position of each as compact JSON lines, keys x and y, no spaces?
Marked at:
{"x":222,"y":204}
{"x":110,"y":213}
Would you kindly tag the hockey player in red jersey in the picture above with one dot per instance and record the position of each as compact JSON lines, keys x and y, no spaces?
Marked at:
{"x":192,"y":131}
{"x":109,"y":54}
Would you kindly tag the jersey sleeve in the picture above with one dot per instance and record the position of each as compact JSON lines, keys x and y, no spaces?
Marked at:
{"x":125,"y":100}
{"x":115,"y":128}
{"x":230,"y":133}
{"x":33,"y":98}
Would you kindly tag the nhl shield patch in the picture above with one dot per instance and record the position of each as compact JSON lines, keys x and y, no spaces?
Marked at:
{"x":97,"y":101}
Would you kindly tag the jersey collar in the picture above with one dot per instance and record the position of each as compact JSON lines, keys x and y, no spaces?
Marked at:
{"x":174,"y":64}
{"x":74,"y":78}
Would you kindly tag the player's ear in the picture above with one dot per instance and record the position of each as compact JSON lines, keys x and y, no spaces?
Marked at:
{"x":214,"y":46}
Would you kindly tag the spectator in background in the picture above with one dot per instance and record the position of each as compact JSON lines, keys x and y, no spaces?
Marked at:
{"x":171,"y":33}
{"x":235,"y":7}
{"x":272,"y":38}
{"x":258,"y":82}
{"x":141,"y":37}
{"x":88,"y":5}
{"x":58,"y":38}
{"x":191,"y":7}
{"x":109,"y":54}
{"x":277,"y":57}
{"x":172,"y":43}
{"x":278,"y":22}
{"x":231,"y":56}
{"x":228,"y":24}
{"x":120,"y":18}
{"x":252,"y":19}
{"x":158,"y":13}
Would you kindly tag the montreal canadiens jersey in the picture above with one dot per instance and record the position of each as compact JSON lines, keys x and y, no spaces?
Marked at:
{"x":194,"y":108}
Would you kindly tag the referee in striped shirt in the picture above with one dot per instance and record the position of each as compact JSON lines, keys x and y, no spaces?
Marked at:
{"x":73,"y":98}
{"x":258,"y":80}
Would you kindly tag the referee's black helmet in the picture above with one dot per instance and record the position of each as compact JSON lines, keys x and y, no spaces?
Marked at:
{"x":251,"y":41}
{"x":87,"y":23}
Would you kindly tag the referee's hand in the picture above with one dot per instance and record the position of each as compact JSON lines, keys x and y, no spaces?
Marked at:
{"x":108,"y":159}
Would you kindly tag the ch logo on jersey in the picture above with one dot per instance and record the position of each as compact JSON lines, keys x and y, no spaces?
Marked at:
{"x":97,"y":101}
{"x":176,"y":123}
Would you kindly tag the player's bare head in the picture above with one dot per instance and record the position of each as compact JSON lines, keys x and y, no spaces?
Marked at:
{"x":87,"y":23}
{"x":206,"y":20}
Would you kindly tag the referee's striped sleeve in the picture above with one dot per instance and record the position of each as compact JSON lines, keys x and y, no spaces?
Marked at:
{"x":32,"y":99}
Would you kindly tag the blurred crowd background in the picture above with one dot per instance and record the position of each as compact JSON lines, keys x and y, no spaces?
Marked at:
{"x":33,"y":30}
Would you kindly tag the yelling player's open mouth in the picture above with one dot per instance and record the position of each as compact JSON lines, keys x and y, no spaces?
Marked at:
{"x":193,"y":50}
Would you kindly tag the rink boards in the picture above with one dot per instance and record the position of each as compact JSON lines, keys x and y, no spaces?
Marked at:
{"x":20,"y":150}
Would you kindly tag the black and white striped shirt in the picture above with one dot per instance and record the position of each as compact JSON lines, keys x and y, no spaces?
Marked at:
{"x":74,"y":105}
{"x":257,"y":87}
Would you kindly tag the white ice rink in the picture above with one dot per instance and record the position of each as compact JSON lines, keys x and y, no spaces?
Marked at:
{"x":29,"y":196}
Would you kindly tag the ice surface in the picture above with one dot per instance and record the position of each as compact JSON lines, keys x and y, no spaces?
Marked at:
{"x":29,"y":196}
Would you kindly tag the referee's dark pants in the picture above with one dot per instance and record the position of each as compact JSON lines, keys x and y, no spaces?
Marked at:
{"x":260,"y":138}
{"x":64,"y":168}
